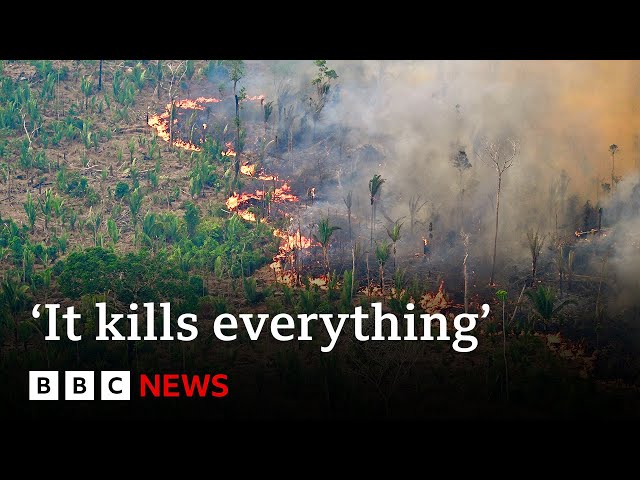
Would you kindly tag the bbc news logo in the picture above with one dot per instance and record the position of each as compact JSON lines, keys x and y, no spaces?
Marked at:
{"x":116,"y":385}
{"x":79,"y":385}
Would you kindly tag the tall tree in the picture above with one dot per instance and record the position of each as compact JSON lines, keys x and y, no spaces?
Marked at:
{"x":348,"y":202}
{"x":461,"y":163}
{"x":100,"y":77}
{"x":322,"y":82}
{"x":613,"y":149}
{"x":535,"y":247}
{"x":236,"y":72}
{"x":374,"y":189}
{"x":325,"y":231}
{"x":500,"y":155}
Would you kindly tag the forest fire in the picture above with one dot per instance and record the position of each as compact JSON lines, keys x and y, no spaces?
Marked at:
{"x":279,"y":195}
{"x":435,"y":302}
{"x":289,"y":244}
{"x":247,"y":215}
{"x":195,"y":104}
{"x":230,"y":151}
{"x":248,"y":169}
{"x":160,"y":122}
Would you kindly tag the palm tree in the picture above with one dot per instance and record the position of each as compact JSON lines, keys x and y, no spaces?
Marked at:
{"x":374,"y":188}
{"x":394,"y":235}
{"x":383,"y":251}
{"x":13,"y":300}
{"x":543,"y":300}
{"x":325,"y":231}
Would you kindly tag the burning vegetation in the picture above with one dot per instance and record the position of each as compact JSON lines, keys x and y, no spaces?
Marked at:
{"x":330,"y":188}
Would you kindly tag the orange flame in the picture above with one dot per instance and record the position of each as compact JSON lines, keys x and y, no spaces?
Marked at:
{"x":248,"y":169}
{"x":230,"y":151}
{"x":160,"y":122}
{"x":247,"y":215}
{"x":435,"y":302}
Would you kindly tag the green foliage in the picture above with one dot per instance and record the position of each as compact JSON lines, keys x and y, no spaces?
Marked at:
{"x":191,"y":217}
{"x":30,"y":210}
{"x":121,"y":191}
{"x":138,"y":76}
{"x":543,"y":300}
{"x":251,"y":292}
{"x":135,"y":202}
{"x":325,"y":231}
{"x":86,"y":86}
{"x":346,"y":294}
{"x":235,"y":68}
{"x":394,"y":233}
{"x":374,"y":186}
{"x":309,"y":298}
{"x":133,"y":276}
{"x":383,"y":251}
{"x":268,"y":110}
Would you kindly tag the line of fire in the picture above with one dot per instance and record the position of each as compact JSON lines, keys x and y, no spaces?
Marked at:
{"x":274,"y":188}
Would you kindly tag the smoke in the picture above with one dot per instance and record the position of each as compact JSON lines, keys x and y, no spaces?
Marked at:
{"x":416,"y":114}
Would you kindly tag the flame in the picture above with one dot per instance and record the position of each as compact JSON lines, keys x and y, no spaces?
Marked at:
{"x":248,"y":169}
{"x":188,"y":104}
{"x":230,"y":151}
{"x":160,"y":122}
{"x":267,"y":177}
{"x":322,"y":281}
{"x":279,"y":195}
{"x":247,"y":215}
{"x":286,"y":248}
{"x":435,"y":302}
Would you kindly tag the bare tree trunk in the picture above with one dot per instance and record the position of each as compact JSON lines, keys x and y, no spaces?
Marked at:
{"x":466,"y":281}
{"x":100,"y":77}
{"x":495,"y":239}
{"x":613,"y":167}
{"x":368,"y":279}
{"x":353,"y":269}
{"x":534,"y":266}
{"x":373,"y":216}
{"x":171,"y":110}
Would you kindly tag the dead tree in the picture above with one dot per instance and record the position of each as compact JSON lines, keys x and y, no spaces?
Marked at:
{"x":414,"y":208}
{"x":535,"y":246}
{"x":348,"y":203}
{"x":461,"y":163}
{"x":465,"y":242}
{"x":177,"y":73}
{"x":501,"y":156}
